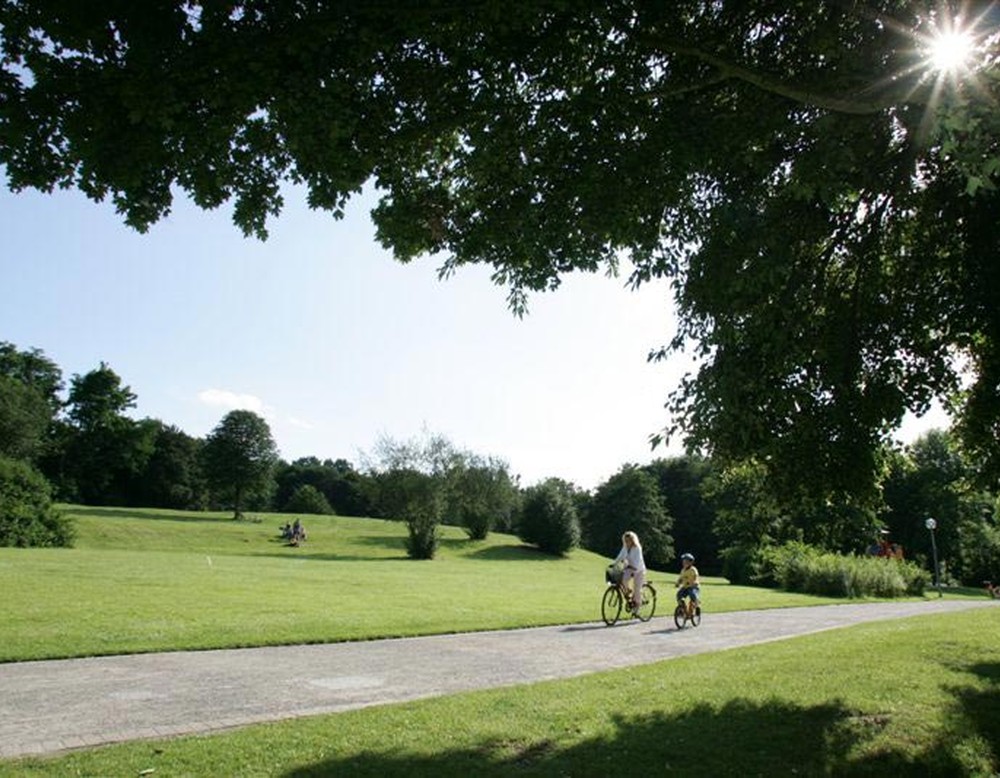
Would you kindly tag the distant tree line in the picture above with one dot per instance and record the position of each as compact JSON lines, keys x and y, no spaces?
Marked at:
{"x":78,"y":445}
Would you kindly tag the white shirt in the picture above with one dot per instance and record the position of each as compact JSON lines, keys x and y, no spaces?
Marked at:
{"x":632,"y":557}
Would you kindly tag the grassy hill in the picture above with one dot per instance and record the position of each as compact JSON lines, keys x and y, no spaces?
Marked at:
{"x":150,"y":580}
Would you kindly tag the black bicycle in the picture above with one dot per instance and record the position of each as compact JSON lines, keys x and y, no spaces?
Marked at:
{"x":617,"y":598}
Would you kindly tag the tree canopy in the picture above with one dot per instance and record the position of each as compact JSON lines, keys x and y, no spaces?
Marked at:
{"x":239,"y":456}
{"x":821,"y":194}
{"x":630,"y":500}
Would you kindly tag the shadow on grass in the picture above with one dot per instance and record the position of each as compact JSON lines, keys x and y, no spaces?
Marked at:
{"x":298,"y":555}
{"x":138,"y":513}
{"x":520,"y":553}
{"x":741,"y":738}
{"x":380,"y":541}
{"x":981,"y":710}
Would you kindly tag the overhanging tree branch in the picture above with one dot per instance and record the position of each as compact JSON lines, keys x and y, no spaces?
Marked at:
{"x":729,"y":70}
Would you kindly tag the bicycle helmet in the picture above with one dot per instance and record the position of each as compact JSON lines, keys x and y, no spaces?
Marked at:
{"x":688,"y":556}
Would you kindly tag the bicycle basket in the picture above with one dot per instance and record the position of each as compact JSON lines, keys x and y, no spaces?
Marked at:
{"x":613,"y":575}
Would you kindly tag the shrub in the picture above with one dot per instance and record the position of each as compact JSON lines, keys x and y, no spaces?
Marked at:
{"x":801,"y":568}
{"x":477,"y":524}
{"x":798,"y":567}
{"x":415,"y":498}
{"x":422,"y":538}
{"x":780,"y":565}
{"x":27,"y":517}
{"x":737,"y":562}
{"x":308,"y":499}
{"x":548,"y":519}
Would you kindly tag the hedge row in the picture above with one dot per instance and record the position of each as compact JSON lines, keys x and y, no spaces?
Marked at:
{"x":797,"y":567}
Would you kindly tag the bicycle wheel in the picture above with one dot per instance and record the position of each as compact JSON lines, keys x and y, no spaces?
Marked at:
{"x":680,"y":615}
{"x":696,"y":618}
{"x":611,"y":605}
{"x":648,"y":606}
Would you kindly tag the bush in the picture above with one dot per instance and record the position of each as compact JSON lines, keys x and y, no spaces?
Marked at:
{"x":27,"y":517}
{"x":308,"y":499}
{"x":477,"y":524}
{"x":415,"y":498}
{"x":423,"y":537}
{"x":798,"y":567}
{"x":738,"y":565}
{"x":548,"y":519}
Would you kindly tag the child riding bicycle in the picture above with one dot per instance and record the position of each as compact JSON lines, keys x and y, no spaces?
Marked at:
{"x":688,"y":584}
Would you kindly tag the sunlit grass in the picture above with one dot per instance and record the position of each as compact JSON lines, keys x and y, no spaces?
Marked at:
{"x":147,"y":580}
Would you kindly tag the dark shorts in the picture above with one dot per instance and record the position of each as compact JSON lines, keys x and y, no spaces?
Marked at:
{"x":694,"y":592}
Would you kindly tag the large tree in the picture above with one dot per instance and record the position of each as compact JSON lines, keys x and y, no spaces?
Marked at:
{"x":630,"y":500}
{"x":32,"y":368}
{"x":481,"y":495}
{"x":172,"y":476}
{"x":548,"y":517}
{"x":348,"y":492}
{"x":239,"y":457}
{"x":933,"y":479}
{"x":24,"y":419}
{"x":29,"y":400}
{"x":410,"y":479}
{"x":821,"y":191}
{"x":680,"y":481}
{"x":102,"y":449}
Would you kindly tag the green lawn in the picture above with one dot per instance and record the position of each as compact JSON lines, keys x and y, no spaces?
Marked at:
{"x":914,"y":697}
{"x":917,"y":697}
{"x":148,"y":580}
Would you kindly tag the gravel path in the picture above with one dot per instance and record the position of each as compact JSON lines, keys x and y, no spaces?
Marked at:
{"x":46,"y":707}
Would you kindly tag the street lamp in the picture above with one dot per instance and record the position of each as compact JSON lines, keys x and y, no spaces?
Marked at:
{"x":931,"y":525}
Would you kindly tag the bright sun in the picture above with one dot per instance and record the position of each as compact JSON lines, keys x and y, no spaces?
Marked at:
{"x":949,"y":51}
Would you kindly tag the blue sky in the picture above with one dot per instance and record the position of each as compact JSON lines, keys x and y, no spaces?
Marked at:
{"x":332,"y":341}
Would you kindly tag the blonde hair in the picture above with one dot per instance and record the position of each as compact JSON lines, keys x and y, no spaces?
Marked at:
{"x":630,"y":535}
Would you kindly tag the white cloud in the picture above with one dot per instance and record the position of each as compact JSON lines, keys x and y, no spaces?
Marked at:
{"x":300,"y":423}
{"x":232,"y":400}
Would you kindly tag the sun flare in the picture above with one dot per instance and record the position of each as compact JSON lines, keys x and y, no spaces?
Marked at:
{"x":950,"y":51}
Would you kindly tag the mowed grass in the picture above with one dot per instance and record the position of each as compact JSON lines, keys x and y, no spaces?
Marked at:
{"x":917,"y":697}
{"x":150,"y":580}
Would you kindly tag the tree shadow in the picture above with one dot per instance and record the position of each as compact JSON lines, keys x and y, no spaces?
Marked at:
{"x":380,"y":541}
{"x":135,"y":513}
{"x":519,"y":553}
{"x":299,"y":556}
{"x":741,"y":738}
{"x":981,"y":707}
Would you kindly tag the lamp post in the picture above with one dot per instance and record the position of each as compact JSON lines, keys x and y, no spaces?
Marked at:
{"x":931,"y":525}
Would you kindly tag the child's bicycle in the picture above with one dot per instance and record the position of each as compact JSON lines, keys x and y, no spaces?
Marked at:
{"x":681,"y":616}
{"x":617,"y":598}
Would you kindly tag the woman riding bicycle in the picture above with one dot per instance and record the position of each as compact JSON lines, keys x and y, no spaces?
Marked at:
{"x":688,"y":584}
{"x":634,"y":567}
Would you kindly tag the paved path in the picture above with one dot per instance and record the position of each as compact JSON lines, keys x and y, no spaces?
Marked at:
{"x":47,"y":707}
